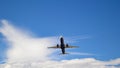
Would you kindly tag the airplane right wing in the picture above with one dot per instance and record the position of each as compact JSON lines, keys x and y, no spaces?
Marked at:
{"x":57,"y":46}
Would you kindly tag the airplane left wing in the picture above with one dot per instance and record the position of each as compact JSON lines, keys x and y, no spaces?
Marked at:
{"x":71,"y":46}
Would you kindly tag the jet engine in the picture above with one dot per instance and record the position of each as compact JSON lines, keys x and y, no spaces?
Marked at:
{"x":67,"y":45}
{"x":57,"y":46}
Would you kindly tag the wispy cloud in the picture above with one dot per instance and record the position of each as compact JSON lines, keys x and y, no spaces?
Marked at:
{"x":27,"y":51}
{"x":81,"y":53}
{"x":75,"y":39}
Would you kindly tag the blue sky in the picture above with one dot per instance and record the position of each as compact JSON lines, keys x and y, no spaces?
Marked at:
{"x":98,"y":19}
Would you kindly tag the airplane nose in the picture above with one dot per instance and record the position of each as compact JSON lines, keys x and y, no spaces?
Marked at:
{"x":61,"y":36}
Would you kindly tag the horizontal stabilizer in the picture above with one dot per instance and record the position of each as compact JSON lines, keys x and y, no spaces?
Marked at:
{"x":63,"y":54}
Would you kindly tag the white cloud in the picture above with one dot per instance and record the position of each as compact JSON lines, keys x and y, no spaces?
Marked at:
{"x":74,"y":63}
{"x":23,"y":47}
{"x":29,"y":52}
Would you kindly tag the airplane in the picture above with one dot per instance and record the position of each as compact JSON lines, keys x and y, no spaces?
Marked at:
{"x":62,"y":46}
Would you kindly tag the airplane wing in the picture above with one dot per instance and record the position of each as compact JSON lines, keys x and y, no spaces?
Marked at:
{"x":54,"y":47}
{"x":71,"y":46}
